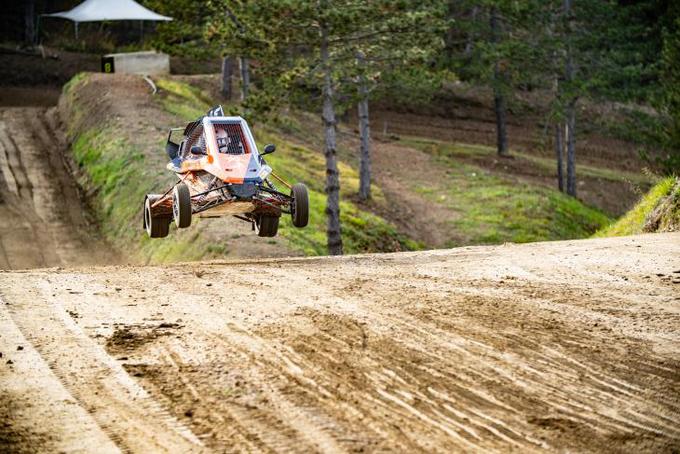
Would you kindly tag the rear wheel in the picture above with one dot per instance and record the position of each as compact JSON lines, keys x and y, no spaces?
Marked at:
{"x":268,"y":225}
{"x":299,"y":209}
{"x":181,"y":205}
{"x":155,"y":227}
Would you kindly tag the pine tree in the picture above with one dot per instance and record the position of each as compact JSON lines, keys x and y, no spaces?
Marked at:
{"x":364,"y":130}
{"x":496,"y":51}
{"x":392,"y":39}
{"x":297,"y":44}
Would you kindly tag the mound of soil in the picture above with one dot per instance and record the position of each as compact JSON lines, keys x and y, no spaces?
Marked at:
{"x":42,"y":218}
{"x":666,"y":216}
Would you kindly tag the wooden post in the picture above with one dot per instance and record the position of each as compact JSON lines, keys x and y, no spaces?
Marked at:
{"x":245,"y":77}
{"x":227,"y":70}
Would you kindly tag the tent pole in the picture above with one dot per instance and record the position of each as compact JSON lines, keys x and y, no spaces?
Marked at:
{"x":76,"y":25}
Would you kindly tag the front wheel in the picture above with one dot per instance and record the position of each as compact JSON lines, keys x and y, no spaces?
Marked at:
{"x":268,"y":225}
{"x":299,"y":208}
{"x":181,"y":206}
{"x":155,"y":227}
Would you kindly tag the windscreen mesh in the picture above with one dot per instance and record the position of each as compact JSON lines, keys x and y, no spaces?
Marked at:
{"x":230,"y":138}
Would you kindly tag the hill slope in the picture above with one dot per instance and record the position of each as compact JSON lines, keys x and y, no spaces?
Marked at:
{"x":657,"y":211}
{"x":42,"y":222}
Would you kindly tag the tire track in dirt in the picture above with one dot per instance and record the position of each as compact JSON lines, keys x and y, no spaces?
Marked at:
{"x":29,"y":387}
{"x":123,"y":410}
{"x":511,"y":348}
{"x":42,"y":216}
{"x":18,"y":230}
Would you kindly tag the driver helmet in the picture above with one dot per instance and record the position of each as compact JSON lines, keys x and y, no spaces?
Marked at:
{"x":222,"y":140}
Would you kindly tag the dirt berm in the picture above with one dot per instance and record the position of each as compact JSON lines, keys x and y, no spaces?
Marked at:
{"x":42,"y":222}
{"x":566,"y":346}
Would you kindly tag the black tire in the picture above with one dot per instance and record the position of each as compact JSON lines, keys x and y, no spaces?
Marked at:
{"x":181,"y":206}
{"x":268,"y":225}
{"x":299,"y":209}
{"x":155,"y":227}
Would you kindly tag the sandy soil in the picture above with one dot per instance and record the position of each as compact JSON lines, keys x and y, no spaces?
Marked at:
{"x":413,"y":213}
{"x":41,"y":219}
{"x":564,"y":346}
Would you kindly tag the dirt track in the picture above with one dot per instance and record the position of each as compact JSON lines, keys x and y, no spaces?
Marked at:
{"x":560,"y":346}
{"x":41,"y":219}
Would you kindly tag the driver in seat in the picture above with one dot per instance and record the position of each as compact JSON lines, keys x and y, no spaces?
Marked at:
{"x":226,"y":145}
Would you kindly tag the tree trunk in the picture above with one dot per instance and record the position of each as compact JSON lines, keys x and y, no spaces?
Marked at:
{"x":571,"y":149}
{"x":243,"y":61}
{"x":365,"y":133}
{"x":333,"y":233}
{"x":450,"y":36}
{"x":501,"y":132}
{"x":227,"y":70}
{"x":245,"y":77}
{"x":470,"y":44}
{"x":29,"y":22}
{"x":498,"y":96}
{"x":571,"y":106}
{"x":559,"y":151}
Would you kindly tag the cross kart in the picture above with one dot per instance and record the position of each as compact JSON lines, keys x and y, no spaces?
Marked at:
{"x":221,"y":172}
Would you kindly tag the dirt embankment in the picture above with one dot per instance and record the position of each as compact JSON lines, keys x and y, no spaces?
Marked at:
{"x":565,"y":346}
{"x":666,"y":215}
{"x":42,"y":222}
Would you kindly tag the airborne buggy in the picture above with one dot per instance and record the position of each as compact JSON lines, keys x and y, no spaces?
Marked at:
{"x":221,"y":172}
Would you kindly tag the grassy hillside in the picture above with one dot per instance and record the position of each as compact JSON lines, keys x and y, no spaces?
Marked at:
{"x":657,"y":211}
{"x":118,"y":137}
{"x":494,"y":207}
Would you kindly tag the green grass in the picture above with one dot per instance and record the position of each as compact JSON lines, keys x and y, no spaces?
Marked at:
{"x":120,"y":169}
{"x":75,"y":80}
{"x":492,"y":209}
{"x":362,"y":231}
{"x":633,"y":222}
{"x":544,"y":163}
{"x":182,"y":100}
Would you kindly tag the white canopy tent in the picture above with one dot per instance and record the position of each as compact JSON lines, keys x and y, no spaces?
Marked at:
{"x":108,"y":10}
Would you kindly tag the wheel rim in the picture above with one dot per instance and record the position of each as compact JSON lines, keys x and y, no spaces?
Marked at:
{"x":147,"y":216}
{"x":175,"y":206}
